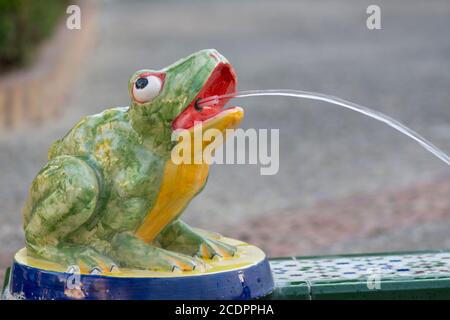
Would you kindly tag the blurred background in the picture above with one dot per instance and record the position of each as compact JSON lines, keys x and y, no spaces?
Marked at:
{"x":346,"y":183}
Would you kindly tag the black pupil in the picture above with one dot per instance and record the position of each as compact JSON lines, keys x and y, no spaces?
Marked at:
{"x":141,"y":83}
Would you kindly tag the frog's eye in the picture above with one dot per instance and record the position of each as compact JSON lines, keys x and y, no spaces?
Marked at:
{"x":146,"y":88}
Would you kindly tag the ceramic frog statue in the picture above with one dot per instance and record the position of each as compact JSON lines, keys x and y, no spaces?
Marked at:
{"x":110,"y":196}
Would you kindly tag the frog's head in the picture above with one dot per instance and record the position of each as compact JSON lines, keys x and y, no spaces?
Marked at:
{"x":165,"y":100}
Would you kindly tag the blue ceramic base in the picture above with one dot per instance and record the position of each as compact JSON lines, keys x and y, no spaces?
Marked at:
{"x":249,"y":282}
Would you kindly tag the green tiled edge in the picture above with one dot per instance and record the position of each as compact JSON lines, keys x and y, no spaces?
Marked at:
{"x":298,"y":291}
{"x":401,"y":289}
{"x":435,"y":286}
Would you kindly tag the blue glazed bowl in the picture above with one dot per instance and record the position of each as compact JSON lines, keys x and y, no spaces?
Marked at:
{"x":31,"y":282}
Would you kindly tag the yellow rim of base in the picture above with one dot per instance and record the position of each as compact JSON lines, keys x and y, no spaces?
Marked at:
{"x":247,"y":255}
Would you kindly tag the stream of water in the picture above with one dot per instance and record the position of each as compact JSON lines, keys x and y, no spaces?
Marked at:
{"x":212,"y":100}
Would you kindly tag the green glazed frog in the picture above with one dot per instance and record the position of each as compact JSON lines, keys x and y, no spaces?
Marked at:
{"x":110,"y":196}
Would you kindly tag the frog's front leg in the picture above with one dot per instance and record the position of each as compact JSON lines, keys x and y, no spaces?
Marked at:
{"x":180,"y":237}
{"x":132,"y":252}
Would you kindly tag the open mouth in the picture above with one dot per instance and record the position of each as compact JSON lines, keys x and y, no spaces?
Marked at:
{"x":221,"y":81}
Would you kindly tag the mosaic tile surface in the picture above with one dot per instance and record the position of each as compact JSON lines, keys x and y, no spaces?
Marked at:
{"x":426,"y":265}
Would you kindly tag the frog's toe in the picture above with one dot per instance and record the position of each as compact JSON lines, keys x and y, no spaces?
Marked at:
{"x":105,"y":269}
{"x":180,"y":262}
{"x":211,"y":248}
{"x":94,"y":263}
{"x":95,"y":270}
{"x":114,"y":268}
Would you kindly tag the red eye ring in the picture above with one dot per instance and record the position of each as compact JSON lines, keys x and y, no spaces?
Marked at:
{"x":160,"y":75}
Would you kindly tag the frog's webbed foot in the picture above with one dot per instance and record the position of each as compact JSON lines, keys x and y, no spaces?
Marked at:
{"x":93,"y":262}
{"x":177,"y":261}
{"x":88,"y":260}
{"x":210,"y":248}
{"x":132,"y":252}
{"x":180,"y":237}
{"x":83,"y":258}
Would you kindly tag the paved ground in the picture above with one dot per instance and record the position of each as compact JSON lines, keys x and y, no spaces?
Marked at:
{"x":413,"y":218}
{"x":326,"y":154}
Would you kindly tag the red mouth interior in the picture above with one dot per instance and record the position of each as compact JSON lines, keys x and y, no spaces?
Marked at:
{"x":221,"y":81}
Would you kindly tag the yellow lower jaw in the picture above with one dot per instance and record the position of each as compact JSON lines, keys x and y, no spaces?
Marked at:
{"x":227,"y":119}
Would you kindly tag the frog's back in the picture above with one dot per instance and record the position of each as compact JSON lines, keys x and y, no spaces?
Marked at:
{"x":97,"y":137}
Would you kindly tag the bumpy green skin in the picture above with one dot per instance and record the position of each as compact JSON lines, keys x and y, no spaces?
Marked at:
{"x":103,"y":177}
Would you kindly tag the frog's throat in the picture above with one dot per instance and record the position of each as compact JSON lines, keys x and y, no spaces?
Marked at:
{"x":179,"y":185}
{"x":182,"y":182}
